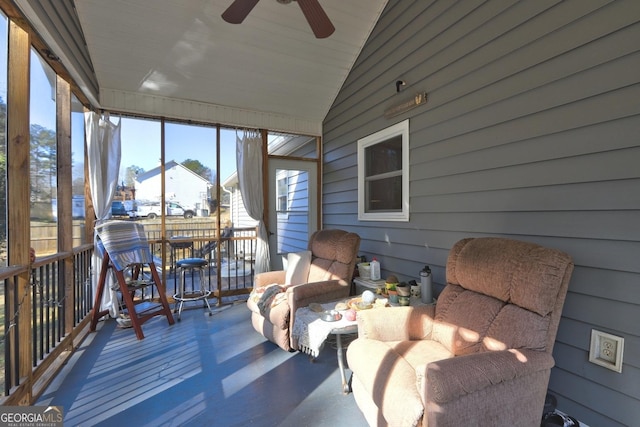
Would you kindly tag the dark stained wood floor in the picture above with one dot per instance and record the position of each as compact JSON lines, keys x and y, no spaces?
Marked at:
{"x":202,"y":371}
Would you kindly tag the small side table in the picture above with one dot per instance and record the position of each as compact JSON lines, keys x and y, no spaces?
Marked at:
{"x":311,"y":334}
{"x":339,"y":332}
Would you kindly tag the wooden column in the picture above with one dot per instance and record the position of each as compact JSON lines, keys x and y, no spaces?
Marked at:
{"x":218,"y":254}
{"x":18,"y":192}
{"x":265,"y":179}
{"x":320,"y":163}
{"x":65,"y":205}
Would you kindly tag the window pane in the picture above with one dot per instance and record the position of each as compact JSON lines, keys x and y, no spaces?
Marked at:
{"x":281,"y":197}
{"x":140,"y":163}
{"x":77,"y":170}
{"x":44,"y":214}
{"x":4,"y":52}
{"x":385,"y":195}
{"x":190,"y":168}
{"x":190,"y":164}
{"x":232,"y":209}
{"x":385,"y":156}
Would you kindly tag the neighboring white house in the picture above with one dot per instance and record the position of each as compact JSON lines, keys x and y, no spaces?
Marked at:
{"x":182,"y":185}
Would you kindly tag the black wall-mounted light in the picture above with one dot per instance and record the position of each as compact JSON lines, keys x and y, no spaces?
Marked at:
{"x":400,"y":83}
{"x":50,"y":55}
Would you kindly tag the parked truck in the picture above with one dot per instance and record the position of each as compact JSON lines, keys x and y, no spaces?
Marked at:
{"x":123,"y":208}
{"x":153,"y":210}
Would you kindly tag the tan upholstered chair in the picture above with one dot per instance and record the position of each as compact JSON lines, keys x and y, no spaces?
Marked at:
{"x":326,"y":276}
{"x":481,"y":356}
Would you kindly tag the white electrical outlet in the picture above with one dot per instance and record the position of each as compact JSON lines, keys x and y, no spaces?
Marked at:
{"x":606,"y":350}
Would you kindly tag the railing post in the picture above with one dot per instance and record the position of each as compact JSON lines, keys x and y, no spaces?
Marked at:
{"x":65,"y":209}
{"x":69,"y":296}
{"x":18,"y":192}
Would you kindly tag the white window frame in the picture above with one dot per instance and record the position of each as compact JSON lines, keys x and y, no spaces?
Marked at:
{"x":282,"y":213}
{"x":402,"y":214}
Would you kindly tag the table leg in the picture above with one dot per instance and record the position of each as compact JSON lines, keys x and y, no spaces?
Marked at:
{"x":345,"y":386}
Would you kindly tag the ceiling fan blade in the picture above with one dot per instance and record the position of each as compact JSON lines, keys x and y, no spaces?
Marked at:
{"x":318,"y":20}
{"x":238,"y":11}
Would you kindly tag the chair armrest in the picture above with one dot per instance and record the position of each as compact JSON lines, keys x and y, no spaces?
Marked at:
{"x":448,"y":379}
{"x":396,"y":323}
{"x":303,"y":294}
{"x":269,"y":277}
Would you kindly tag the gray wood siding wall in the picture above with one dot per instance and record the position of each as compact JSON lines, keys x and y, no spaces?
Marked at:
{"x":530,"y":132}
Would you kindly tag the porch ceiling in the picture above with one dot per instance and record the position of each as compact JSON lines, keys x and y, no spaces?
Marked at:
{"x":271,"y":63}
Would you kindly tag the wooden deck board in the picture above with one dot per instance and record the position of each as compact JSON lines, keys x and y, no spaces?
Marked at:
{"x":202,"y":371}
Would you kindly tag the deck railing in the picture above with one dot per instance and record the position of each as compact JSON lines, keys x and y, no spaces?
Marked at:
{"x":230,"y":269}
{"x":44,"y":311}
{"x":47,"y":309}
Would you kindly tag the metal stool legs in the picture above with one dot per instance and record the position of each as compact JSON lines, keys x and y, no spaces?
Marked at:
{"x":182,"y":296}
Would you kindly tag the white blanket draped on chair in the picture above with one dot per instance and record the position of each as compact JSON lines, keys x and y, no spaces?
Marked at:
{"x":311,"y":332}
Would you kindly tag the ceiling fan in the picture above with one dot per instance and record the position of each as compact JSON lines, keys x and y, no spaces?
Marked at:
{"x":318,"y":20}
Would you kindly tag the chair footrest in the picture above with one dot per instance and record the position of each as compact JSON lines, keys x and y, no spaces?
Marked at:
{"x":195,"y":296}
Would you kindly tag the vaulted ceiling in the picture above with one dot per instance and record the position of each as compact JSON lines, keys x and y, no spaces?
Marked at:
{"x":147,"y":53}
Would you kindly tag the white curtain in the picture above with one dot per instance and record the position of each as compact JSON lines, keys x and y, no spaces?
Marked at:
{"x":104,"y":154}
{"x":249,"y":163}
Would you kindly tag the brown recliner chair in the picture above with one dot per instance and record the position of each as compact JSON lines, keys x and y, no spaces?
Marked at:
{"x":481,"y":356}
{"x":332,"y":260}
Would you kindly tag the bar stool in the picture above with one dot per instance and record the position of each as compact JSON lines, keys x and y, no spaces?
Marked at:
{"x":183,"y":266}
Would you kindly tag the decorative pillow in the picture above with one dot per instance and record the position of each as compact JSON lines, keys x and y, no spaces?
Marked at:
{"x":298,"y":264}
